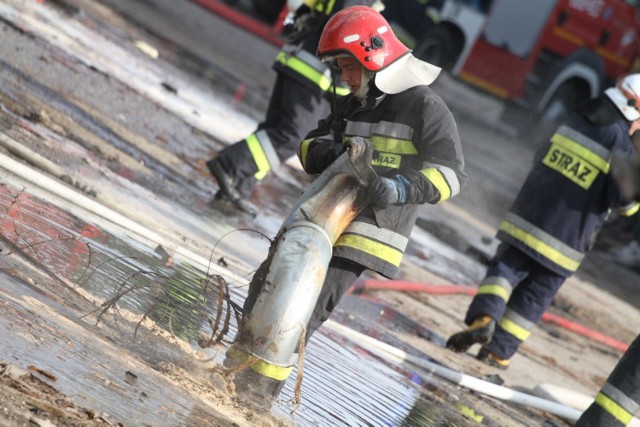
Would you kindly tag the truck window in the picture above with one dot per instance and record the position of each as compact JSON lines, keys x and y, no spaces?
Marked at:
{"x":514,"y":25}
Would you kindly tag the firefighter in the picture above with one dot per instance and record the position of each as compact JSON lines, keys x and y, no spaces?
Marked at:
{"x":417,"y":149}
{"x":417,"y":17}
{"x":298,"y":100}
{"x":553,"y":222}
{"x":619,"y":397}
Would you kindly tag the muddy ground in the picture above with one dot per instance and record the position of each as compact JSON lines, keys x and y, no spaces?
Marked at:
{"x":106,"y":122}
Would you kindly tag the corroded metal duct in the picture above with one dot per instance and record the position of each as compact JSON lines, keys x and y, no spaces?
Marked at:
{"x":297,"y":269}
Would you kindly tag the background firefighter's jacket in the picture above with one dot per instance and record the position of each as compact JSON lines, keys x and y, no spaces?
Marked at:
{"x":297,"y":59}
{"x":414,"y":134}
{"x":568,"y":194}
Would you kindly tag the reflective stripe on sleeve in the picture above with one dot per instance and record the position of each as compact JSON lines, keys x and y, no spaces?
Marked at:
{"x":444,"y":179}
{"x":629,"y":210}
{"x":304,"y":152}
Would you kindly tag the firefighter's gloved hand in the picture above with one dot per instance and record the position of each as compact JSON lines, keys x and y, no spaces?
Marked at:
{"x":389,"y":191}
{"x":355,"y":146}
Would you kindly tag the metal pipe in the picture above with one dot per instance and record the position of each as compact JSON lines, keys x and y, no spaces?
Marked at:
{"x":387,"y":351}
{"x":270,"y":336}
{"x":283,"y":308}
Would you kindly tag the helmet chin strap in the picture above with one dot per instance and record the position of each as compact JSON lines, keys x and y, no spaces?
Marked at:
{"x":363,"y":89}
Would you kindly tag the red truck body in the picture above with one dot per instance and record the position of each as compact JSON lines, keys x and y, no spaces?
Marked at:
{"x":543,"y":56}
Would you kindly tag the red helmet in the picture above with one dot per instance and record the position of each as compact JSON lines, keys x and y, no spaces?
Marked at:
{"x":364,"y":33}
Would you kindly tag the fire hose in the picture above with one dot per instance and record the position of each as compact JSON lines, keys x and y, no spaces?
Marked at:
{"x":404,"y":286}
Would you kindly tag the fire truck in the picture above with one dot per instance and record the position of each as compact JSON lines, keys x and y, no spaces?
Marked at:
{"x":542,"y":56}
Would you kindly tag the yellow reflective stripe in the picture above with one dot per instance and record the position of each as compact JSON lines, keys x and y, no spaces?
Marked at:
{"x":514,"y":329}
{"x":340,"y":91}
{"x":389,"y":237}
{"x":304,"y":151}
{"x":382,"y":128}
{"x":433,"y":14}
{"x":496,"y":290}
{"x":581,"y":151}
{"x":539,"y":246}
{"x":614,"y":409}
{"x":305,"y":69}
{"x":325,"y":6}
{"x":387,"y":160}
{"x":571,"y":166}
{"x":259,"y":156}
{"x":438,"y":181}
{"x":262,"y":367}
{"x":376,"y":249}
{"x":629,"y":210}
{"x":393,"y":145}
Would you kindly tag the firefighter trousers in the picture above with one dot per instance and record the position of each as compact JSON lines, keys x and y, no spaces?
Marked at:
{"x":619,"y":397}
{"x":516,"y":292}
{"x":294,"y":109}
{"x":341,"y":274}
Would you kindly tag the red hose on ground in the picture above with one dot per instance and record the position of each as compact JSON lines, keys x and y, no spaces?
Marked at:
{"x":396,"y":285}
{"x":260,"y":29}
{"x":403,"y":286}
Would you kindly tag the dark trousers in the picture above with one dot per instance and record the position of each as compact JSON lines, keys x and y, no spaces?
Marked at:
{"x":294,"y":110}
{"x":340,"y":276}
{"x":622,"y":386}
{"x":534,"y":287}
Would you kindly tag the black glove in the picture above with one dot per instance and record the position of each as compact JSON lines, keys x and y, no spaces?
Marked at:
{"x":389,"y":191}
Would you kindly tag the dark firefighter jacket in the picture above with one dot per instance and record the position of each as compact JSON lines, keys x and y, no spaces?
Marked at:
{"x":297,"y":59}
{"x":568,"y":194}
{"x":413,"y":133}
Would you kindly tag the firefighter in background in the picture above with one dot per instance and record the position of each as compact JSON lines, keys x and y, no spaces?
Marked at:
{"x":619,"y":397}
{"x":300,"y":97}
{"x":554,"y":221}
{"x":417,"y":17}
{"x":417,"y":149}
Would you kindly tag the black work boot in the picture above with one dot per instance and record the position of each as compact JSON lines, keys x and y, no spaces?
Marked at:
{"x":479,"y":332}
{"x":228,"y":192}
{"x":484,"y":355}
{"x":258,"y":390}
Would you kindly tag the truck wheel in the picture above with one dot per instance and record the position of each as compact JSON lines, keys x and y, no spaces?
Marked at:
{"x":436,"y":47}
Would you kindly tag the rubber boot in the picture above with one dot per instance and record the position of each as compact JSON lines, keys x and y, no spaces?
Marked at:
{"x":257,"y":390}
{"x":479,"y":332}
{"x":228,"y":193}
{"x":484,"y":355}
